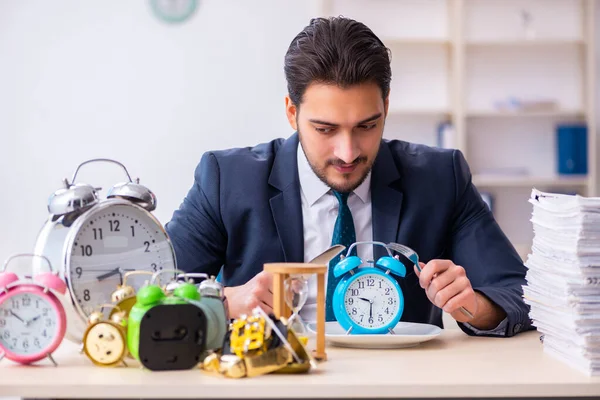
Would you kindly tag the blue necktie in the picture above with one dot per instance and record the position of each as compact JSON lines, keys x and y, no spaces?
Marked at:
{"x":344,"y":234}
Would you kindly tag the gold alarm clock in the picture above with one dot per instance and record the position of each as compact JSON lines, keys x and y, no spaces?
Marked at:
{"x":249,"y":334}
{"x":105,"y":340}
{"x":125,"y":296}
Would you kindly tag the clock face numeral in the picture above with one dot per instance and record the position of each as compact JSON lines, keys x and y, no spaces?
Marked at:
{"x":110,"y":242}
{"x":114,"y":225}
{"x":29,"y":328}
{"x":98,"y":233}
{"x":372,"y":301}
{"x":86,"y":250}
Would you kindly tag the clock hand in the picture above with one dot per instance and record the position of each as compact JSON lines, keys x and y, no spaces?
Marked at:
{"x":17,"y":317}
{"x":370,"y":309}
{"x":32,"y":320}
{"x":124,"y":271}
{"x":362,"y":298}
{"x":108,"y":274}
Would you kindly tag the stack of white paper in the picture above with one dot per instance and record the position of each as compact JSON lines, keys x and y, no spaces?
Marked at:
{"x":563,"y":277}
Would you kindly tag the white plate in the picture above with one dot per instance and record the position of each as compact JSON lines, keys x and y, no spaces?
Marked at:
{"x":406,"y":334}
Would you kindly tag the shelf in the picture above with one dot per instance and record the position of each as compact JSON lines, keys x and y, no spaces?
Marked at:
{"x":418,"y":112}
{"x":525,"y":43}
{"x":490,"y":180}
{"x":525,"y":114}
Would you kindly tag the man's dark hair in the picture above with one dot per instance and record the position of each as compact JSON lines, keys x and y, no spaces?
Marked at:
{"x":338,"y":51}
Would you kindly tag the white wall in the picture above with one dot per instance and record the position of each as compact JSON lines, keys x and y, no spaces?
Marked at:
{"x":105,"y":78}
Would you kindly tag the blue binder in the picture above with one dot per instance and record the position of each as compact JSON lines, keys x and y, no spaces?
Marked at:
{"x":571,"y":146}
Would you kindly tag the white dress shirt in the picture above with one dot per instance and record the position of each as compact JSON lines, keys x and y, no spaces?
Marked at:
{"x":319,"y":212}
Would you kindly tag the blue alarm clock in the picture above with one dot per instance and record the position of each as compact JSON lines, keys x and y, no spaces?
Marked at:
{"x":368,"y":299}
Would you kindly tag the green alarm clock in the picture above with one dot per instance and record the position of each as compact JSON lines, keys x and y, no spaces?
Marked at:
{"x":212,"y":302}
{"x":368,"y":300}
{"x":165,"y":330}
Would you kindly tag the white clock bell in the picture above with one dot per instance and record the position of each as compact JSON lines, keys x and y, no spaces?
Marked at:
{"x":94,"y":242}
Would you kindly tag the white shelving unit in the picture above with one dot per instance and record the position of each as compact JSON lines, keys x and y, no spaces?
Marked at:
{"x":453,"y":59}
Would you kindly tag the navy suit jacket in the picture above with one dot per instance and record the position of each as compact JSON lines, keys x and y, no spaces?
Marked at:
{"x":244,"y":210}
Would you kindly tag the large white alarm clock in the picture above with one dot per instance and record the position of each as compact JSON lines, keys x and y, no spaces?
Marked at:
{"x":94,"y":242}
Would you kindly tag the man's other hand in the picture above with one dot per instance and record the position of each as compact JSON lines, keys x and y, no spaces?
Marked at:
{"x":257,"y":292}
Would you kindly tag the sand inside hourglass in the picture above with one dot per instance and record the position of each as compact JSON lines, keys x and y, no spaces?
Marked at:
{"x":296,"y":294}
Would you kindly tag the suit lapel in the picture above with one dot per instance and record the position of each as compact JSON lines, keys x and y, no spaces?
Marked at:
{"x":286,"y":205}
{"x":386,"y":199}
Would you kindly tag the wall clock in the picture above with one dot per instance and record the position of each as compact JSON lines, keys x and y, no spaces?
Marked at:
{"x":173,"y":11}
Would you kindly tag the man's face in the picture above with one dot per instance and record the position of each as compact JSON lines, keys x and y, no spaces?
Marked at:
{"x":340,"y":131}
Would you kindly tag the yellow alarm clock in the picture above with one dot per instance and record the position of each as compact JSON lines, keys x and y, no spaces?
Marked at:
{"x":125,"y":296}
{"x":105,"y":340}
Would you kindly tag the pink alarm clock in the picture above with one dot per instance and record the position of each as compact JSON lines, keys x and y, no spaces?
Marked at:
{"x":32,"y":318}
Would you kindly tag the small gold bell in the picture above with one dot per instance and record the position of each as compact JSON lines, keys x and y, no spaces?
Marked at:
{"x":95,"y":317}
{"x":121,"y":293}
{"x":119,"y":318}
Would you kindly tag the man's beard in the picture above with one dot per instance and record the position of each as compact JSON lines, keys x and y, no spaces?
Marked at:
{"x":348,"y":186}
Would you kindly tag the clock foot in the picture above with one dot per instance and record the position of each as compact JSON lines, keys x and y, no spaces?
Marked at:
{"x":348,"y":331}
{"x":124,"y":363}
{"x":391,"y":331}
{"x":2,"y":356}
{"x":52,"y":359}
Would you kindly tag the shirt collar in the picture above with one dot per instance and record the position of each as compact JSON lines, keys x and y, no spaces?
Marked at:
{"x":314,"y":188}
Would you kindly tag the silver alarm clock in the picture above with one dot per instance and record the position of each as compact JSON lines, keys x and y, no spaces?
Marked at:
{"x":94,"y":242}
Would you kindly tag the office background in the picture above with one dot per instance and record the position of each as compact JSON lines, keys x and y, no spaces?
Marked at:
{"x":108,"y":78}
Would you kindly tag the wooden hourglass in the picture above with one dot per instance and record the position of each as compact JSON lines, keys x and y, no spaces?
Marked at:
{"x":281,"y":272}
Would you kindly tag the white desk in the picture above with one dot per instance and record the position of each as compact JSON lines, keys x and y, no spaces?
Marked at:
{"x":452,"y":365}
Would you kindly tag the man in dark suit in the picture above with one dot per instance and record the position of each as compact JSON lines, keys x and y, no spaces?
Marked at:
{"x":335,"y":180}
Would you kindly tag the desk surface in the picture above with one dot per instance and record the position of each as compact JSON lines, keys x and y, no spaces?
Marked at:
{"x":452,"y":365}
